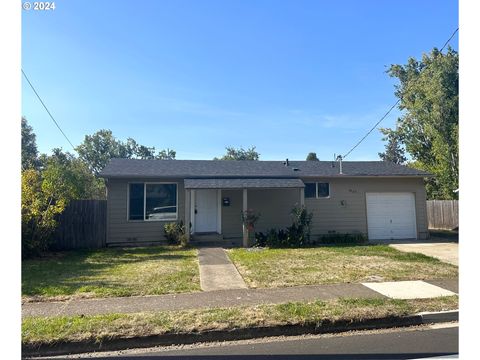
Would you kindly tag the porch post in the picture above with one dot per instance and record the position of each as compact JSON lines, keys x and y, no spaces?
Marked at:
{"x":187,"y":213}
{"x":302,"y":196}
{"x":245,"y":230}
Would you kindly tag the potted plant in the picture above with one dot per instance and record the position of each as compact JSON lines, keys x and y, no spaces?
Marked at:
{"x":249,"y":218}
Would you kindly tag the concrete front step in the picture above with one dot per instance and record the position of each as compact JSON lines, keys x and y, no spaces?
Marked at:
{"x":214,"y":240}
{"x":207,"y":237}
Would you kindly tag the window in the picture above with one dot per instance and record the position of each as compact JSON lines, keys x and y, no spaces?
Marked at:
{"x":323,"y":190}
{"x":310,"y":190}
{"x":317,"y":190}
{"x":135,"y":212}
{"x":152,"y":201}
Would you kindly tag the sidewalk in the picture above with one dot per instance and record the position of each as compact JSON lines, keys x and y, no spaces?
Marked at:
{"x":219,"y":298}
{"x":217,"y":272}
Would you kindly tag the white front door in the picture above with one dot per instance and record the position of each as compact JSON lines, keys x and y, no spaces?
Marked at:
{"x":391,"y":216}
{"x":206,"y":211}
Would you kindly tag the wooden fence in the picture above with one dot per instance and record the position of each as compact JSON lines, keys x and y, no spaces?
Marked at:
{"x":442,"y":214}
{"x":83,"y":224}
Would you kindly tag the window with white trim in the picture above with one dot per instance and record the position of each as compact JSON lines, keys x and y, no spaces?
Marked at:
{"x":152,"y":201}
{"x":317,"y":190}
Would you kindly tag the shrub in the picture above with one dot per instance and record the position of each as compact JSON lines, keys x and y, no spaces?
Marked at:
{"x":175,"y":233}
{"x":334,"y":238}
{"x":42,"y":202}
{"x":296,"y":235}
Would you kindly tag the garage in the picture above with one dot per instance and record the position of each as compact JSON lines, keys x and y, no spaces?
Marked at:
{"x":391,"y":216}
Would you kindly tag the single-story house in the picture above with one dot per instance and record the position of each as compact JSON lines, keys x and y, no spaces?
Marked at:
{"x":378,"y":199}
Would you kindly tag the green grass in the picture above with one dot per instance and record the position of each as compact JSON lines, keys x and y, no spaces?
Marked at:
{"x":111,"y":272}
{"x":38,"y":330}
{"x":335,"y":264}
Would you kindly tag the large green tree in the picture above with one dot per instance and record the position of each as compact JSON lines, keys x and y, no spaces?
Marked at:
{"x":97,"y":149}
{"x":240,"y":154}
{"x":82,"y":184}
{"x":428,"y":128}
{"x":29,"y":146}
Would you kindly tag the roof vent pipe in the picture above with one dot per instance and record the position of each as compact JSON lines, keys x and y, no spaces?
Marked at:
{"x":287,"y":163}
{"x":339,"y":159}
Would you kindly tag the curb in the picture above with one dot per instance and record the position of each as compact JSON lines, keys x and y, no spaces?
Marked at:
{"x":64,"y":348}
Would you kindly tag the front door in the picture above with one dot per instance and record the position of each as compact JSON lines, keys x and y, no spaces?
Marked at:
{"x":206,"y":211}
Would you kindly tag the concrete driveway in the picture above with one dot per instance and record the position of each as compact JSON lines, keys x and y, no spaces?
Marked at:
{"x":447,"y":252}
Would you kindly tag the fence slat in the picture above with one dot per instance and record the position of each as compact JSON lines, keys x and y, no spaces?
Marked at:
{"x":442,"y":214}
{"x":82,"y":225}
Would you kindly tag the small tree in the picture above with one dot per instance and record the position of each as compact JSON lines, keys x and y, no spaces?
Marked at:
{"x":312,"y":157}
{"x":394,"y":151}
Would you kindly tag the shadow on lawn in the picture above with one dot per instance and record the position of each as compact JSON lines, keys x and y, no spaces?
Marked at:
{"x":80,"y":271}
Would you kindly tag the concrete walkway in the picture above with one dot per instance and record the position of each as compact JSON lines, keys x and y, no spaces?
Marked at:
{"x":447,"y":251}
{"x":217,"y":272}
{"x":220,"y":298}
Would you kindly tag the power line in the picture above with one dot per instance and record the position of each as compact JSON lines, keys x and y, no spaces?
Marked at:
{"x":51,"y":116}
{"x":451,"y":37}
{"x":390,"y":110}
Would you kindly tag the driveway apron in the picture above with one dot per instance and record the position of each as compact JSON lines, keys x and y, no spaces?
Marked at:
{"x":447,"y":252}
{"x":217,"y":272}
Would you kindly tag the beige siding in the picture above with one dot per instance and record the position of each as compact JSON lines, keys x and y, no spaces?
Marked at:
{"x":121,"y":230}
{"x":331,"y":215}
{"x":274,"y":206}
{"x":231,"y":215}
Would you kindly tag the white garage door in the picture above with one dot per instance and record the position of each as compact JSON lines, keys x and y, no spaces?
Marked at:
{"x":391,"y":216}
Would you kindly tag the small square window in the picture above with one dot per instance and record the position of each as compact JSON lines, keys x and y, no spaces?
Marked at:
{"x":323,"y":190}
{"x":310,"y":190}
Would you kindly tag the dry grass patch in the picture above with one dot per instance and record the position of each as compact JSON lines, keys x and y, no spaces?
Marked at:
{"x":335,"y":264}
{"x":111,"y":272}
{"x":37,"y":330}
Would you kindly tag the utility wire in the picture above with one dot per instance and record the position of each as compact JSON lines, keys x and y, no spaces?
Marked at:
{"x":51,"y":116}
{"x":389,"y":110}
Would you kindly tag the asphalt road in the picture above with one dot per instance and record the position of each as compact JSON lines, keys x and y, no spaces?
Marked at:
{"x":409,"y":343}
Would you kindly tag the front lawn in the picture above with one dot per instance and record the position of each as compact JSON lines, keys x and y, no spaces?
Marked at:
{"x":267,"y":268}
{"x":111,"y":272}
{"x":39,"y":330}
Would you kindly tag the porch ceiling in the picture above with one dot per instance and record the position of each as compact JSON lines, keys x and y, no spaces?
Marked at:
{"x":258,"y":183}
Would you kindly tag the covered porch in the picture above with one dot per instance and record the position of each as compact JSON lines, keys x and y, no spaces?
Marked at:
{"x":214,"y":206}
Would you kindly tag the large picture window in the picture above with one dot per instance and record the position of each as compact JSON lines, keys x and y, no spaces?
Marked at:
{"x":152,"y":201}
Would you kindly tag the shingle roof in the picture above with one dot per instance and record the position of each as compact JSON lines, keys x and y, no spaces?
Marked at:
{"x":135,"y":168}
{"x":242,"y":183}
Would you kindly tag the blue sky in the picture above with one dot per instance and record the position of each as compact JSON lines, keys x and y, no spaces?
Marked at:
{"x":288,"y":77}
